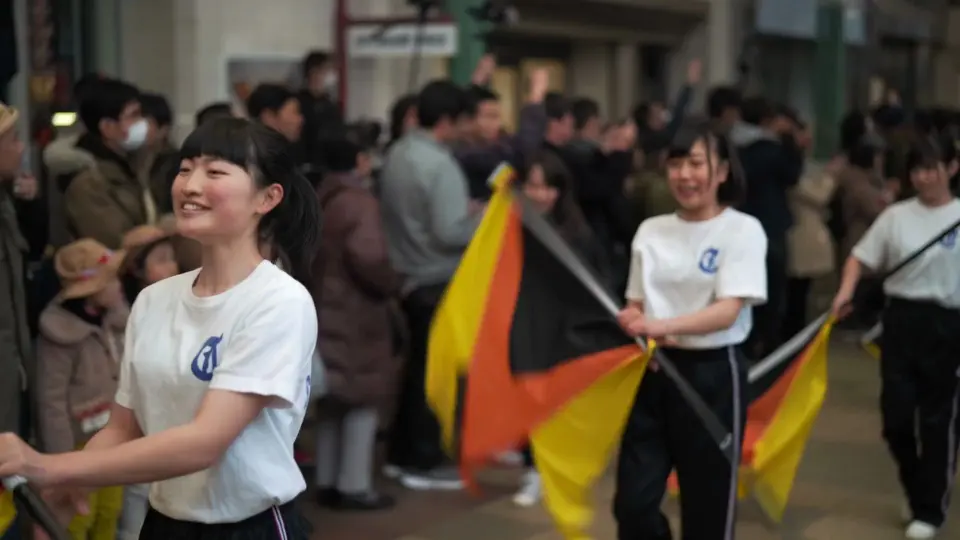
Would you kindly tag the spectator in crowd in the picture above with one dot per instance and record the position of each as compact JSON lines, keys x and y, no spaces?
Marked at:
{"x":276,"y":107}
{"x":16,"y":350}
{"x":403,"y":117}
{"x":159,"y":158}
{"x":322,"y":118}
{"x":63,"y":160}
{"x":766,"y":142}
{"x":485,"y":146}
{"x":107,"y":199}
{"x":219,"y":109}
{"x":657,"y":126}
{"x":599,"y":169}
{"x":79,"y":352}
{"x":723,"y":108}
{"x":356,"y":286}
{"x":428,"y":223}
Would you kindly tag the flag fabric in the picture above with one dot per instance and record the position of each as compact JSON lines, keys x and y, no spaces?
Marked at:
{"x":521,"y":350}
{"x":870,"y":341}
{"x":786,"y":392}
{"x":8,"y":512}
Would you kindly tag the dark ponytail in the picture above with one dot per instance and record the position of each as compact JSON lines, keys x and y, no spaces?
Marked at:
{"x":293,"y":227}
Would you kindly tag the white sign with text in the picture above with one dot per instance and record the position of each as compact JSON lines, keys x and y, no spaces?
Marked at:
{"x":388,"y":40}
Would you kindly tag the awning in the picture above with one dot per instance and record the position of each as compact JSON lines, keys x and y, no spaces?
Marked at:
{"x":664,"y":21}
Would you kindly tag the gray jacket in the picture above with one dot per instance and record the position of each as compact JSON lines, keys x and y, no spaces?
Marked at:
{"x":424,"y":203}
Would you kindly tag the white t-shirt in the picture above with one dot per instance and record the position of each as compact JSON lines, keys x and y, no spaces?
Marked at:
{"x":904,"y":228}
{"x":256,"y":338}
{"x":680,"y":267}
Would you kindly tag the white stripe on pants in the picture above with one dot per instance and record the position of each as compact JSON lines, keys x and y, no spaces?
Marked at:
{"x":345,"y":448}
{"x":135,"y":505}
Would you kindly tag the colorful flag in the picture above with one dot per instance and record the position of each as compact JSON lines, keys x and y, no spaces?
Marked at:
{"x":871,"y":340}
{"x":786,"y":392}
{"x":521,"y":350}
{"x":8,"y":512}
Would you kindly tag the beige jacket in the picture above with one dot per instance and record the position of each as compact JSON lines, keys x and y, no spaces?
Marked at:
{"x":809,"y":243}
{"x":80,"y":363}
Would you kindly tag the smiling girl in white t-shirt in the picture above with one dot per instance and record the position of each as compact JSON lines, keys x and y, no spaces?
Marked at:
{"x":215,"y":376}
{"x":920,"y":359}
{"x":694,"y":276}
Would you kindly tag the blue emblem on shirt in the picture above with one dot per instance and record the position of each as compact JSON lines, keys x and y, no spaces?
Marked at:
{"x":949,"y":240}
{"x":206,"y":361}
{"x":708,"y":261}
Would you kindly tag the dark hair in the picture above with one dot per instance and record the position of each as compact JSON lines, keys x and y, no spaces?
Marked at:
{"x":477,"y":95}
{"x":929,"y":152}
{"x":556,"y":106}
{"x":584,"y":110}
{"x":314,"y":60}
{"x":566,"y":214}
{"x":157,"y":107}
{"x":341,"y":154}
{"x":398,"y":115}
{"x":85,"y":85}
{"x":641,"y":114}
{"x":439,"y":100}
{"x":722,"y":98}
{"x":853,"y":127}
{"x":757,"y":111}
{"x":732,"y":191}
{"x":268,"y":97}
{"x":132,"y":270}
{"x":293,"y":226}
{"x":219,"y":109}
{"x":106,"y":101}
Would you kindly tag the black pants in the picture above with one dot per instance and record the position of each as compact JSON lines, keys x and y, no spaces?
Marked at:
{"x":277,"y":523}
{"x":768,"y":318}
{"x":415,"y":438}
{"x":795,"y":314}
{"x":663,"y":433}
{"x":920,"y":375}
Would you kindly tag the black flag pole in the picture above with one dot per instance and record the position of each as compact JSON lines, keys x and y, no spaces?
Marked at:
{"x":546,"y":234}
{"x":30,"y":503}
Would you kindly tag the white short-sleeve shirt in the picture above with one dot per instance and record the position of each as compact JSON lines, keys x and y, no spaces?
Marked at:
{"x":897,"y":233}
{"x":680,"y":267}
{"x":257,"y":338}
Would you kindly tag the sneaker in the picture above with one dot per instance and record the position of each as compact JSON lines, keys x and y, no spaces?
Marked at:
{"x":509,"y":459}
{"x":439,"y":479}
{"x":906,"y":513}
{"x":364,"y":502}
{"x":918,"y":530}
{"x":531,"y":490}
{"x":392,"y":472}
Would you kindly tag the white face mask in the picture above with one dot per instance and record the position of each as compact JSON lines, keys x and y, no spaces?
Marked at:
{"x":136,"y":135}
{"x":330,"y":80}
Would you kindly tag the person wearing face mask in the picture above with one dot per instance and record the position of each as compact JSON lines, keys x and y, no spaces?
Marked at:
{"x":320,"y":105}
{"x":108,"y":198}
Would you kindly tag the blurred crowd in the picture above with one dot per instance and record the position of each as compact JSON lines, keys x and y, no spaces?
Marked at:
{"x":82,"y":238}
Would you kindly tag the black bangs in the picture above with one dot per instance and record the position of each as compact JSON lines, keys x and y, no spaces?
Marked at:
{"x":930,"y":152}
{"x":688,"y":135}
{"x":229,"y":139}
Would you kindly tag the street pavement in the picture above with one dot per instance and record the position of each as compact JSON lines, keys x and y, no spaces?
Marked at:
{"x":846,"y":488}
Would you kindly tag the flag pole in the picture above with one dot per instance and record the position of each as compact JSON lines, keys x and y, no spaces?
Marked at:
{"x":548,"y":236}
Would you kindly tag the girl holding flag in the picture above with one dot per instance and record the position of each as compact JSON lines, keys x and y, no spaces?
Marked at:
{"x":920,"y":360}
{"x":694,"y":276}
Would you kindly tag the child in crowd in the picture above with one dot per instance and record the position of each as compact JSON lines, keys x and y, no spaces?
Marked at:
{"x":78,"y":351}
{"x":150,"y":258}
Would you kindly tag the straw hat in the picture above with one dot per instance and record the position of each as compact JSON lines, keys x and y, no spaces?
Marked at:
{"x":85,"y":267}
{"x":8,"y":117}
